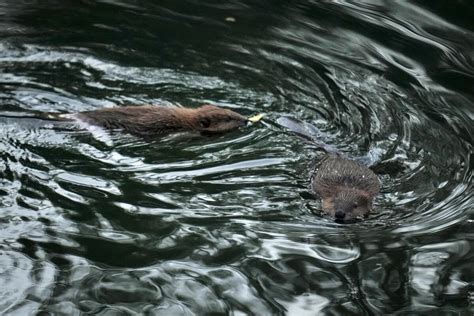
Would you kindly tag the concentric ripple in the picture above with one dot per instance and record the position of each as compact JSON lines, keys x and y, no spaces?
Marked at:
{"x":105,"y":223}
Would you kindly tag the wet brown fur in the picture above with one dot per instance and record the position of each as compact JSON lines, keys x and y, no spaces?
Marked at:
{"x":152,"y":121}
{"x":346,"y":187}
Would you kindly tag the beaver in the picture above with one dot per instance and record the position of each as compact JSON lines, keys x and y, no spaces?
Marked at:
{"x":346,"y":187}
{"x":151,"y":121}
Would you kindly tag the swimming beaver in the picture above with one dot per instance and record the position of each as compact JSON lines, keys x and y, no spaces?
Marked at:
{"x":346,"y":187}
{"x":149,"y":121}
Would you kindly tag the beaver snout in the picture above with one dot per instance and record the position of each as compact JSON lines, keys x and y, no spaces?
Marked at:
{"x":339,"y":215}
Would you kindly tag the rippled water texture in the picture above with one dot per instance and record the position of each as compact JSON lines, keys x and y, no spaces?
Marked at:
{"x":115,"y":225}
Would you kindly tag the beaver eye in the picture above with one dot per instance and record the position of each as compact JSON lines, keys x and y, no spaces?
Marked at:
{"x":355,"y":205}
{"x":228,"y":119}
{"x":205,"y":122}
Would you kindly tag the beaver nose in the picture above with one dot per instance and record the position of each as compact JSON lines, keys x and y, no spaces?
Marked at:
{"x":340,"y":215}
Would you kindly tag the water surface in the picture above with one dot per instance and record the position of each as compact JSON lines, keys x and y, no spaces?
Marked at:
{"x":227,"y":224}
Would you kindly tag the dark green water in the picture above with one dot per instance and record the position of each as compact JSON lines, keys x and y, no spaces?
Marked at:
{"x":227,"y":225}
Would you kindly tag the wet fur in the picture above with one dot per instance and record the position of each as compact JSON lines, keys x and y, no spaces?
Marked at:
{"x":346,"y":187}
{"x":150,"y":121}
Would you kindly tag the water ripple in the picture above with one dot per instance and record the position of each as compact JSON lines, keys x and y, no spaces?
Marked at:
{"x":107,"y":223}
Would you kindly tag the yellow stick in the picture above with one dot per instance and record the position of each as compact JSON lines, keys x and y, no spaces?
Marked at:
{"x":256,"y":118}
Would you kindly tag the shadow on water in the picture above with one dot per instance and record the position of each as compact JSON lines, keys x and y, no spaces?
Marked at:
{"x":227,"y":225}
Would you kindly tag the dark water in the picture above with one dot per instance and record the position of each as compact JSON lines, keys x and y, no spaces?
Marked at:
{"x":227,"y":225}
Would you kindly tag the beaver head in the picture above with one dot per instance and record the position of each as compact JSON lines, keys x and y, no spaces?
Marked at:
{"x":350,"y":204}
{"x":211,"y":119}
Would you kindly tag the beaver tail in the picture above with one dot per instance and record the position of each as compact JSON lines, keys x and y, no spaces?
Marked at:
{"x":308,"y":132}
{"x":37,"y":115}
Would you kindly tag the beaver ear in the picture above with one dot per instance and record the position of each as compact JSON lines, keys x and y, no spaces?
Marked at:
{"x":208,"y":107}
{"x":205,"y":122}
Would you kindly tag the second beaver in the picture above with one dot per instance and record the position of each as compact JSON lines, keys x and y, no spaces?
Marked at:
{"x":346,"y":187}
{"x":151,"y":121}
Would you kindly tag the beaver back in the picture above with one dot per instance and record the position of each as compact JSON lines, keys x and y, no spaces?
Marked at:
{"x":140,"y":120}
{"x":336,"y":173}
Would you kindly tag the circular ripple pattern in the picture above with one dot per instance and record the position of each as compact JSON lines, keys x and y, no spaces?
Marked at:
{"x":110,"y":224}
